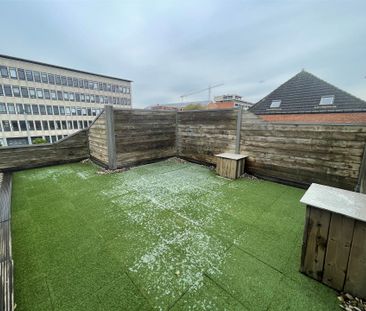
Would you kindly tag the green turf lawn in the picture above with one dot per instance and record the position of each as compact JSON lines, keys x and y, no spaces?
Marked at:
{"x":162,"y":236}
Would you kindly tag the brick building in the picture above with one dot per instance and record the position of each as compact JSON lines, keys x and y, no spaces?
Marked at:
{"x":307,"y":99}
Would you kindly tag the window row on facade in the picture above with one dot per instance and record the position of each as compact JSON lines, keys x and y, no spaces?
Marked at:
{"x":42,"y":125}
{"x":34,"y":109}
{"x":49,"y":78}
{"x":30,"y":92}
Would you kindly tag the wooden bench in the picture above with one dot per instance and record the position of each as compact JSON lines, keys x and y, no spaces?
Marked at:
{"x":334,"y":242}
{"x":230,"y":165}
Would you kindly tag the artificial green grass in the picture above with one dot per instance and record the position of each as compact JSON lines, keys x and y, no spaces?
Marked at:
{"x":162,"y":236}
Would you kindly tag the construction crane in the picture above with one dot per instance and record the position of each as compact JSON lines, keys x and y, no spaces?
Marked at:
{"x":209,"y":88}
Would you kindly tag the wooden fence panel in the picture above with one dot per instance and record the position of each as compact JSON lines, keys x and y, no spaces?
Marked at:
{"x":70,"y":149}
{"x":144,"y":135}
{"x":202,"y":134}
{"x":304,"y":153}
{"x":98,"y":139}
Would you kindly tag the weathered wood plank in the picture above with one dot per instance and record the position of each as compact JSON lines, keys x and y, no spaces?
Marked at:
{"x":356,"y":274}
{"x":338,"y":250}
{"x":317,"y":236}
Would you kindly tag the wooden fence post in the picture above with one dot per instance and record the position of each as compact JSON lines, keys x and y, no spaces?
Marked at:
{"x":238,"y":129}
{"x":111,"y":140}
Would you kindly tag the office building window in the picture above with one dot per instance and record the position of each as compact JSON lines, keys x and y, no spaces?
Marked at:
{"x":1,"y":90}
{"x":32,"y":92}
{"x":53,"y":95}
{"x":13,"y":73}
{"x":95,"y":85}
{"x":15,"y":125}
{"x":92,"y":98}
{"x":3,"y":108}
{"x":7,"y":90}
{"x":63,"y":80}
{"x":37,"y":76}
{"x":52,"y":125}
{"x":4,"y":72}
{"x":69,"y":125}
{"x":94,"y":112}
{"x":75,"y":124}
{"x":30,"y":125}
{"x":6,"y":126}
{"x":83,"y":111}
{"x":42,"y":109}
{"x":80,"y":124}
{"x":27,"y":109}
{"x":62,"y":110}
{"x":71,"y":97}
{"x":87,"y":98}
{"x":66,"y":96}
{"x":64,"y":127}
{"x":77,"y":97}
{"x":108,"y":87}
{"x":44,"y":77}
{"x":56,"y":111}
{"x":53,"y":138}
{"x":85,"y":124}
{"x":59,"y":95}
{"x":48,"y":139}
{"x":45,"y":125}
{"x":97,"y":98}
{"x":51,"y":78}
{"x":20,"y":109}
{"x":16,"y":91}
{"x":78,"y":110}
{"x":100,"y":86}
{"x":58,"y":79}
{"x":67,"y":111}
{"x":29,"y":75}
{"x":39,"y":93}
{"x":80,"y":82}
{"x":73,"y":111}
{"x":38,"y":125}
{"x":21,"y":74}
{"x":47,"y":94}
{"x":69,"y":81}
{"x":24,"y":91}
{"x":58,"y":125}
{"x":23,"y":126}
{"x":82,"y":97}
{"x":11,"y":109}
{"x":75,"y":82}
{"x":85,"y":83}
{"x":35,"y":109}
{"x":49,"y":110}
{"x":89,"y":112}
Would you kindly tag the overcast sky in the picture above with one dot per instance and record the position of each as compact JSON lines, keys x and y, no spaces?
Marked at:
{"x":169,"y":48}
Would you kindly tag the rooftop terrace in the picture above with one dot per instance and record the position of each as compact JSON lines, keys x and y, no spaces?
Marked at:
{"x":170,"y":235}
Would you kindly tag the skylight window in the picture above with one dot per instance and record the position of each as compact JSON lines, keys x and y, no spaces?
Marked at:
{"x":326,"y":100}
{"x":275,"y":104}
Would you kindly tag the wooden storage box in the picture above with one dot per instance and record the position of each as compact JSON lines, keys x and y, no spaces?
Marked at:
{"x":334,"y":243}
{"x":230,"y":165}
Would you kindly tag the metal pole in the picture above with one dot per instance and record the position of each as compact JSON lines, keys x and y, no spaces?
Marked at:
{"x":238,"y":129}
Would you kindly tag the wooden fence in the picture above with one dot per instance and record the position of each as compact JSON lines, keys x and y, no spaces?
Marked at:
{"x":98,"y":136}
{"x":70,"y":149}
{"x":294,"y":153}
{"x":202,"y":134}
{"x":6,"y":259}
{"x":303,"y":154}
{"x":143,"y":135}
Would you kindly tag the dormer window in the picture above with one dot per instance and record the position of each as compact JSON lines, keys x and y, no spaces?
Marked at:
{"x":275,"y":103}
{"x":326,"y":100}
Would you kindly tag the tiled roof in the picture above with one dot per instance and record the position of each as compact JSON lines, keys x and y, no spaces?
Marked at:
{"x":302,"y":93}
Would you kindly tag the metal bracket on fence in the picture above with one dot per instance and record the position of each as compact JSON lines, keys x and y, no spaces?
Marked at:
{"x":238,"y":128}
{"x":111,"y":140}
